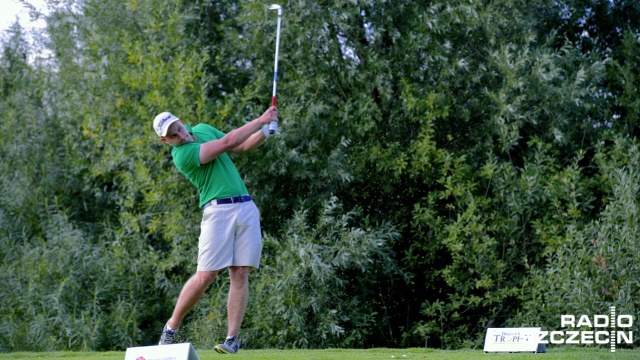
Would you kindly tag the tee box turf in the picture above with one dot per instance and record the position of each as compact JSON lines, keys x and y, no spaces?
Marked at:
{"x":184,"y":351}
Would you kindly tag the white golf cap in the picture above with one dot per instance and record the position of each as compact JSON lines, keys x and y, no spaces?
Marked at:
{"x":162,"y":122}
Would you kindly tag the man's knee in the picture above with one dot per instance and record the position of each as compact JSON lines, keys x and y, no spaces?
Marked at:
{"x":239,"y":275}
{"x":205,"y":278}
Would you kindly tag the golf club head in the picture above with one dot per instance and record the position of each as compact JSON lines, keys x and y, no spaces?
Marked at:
{"x":275,"y":7}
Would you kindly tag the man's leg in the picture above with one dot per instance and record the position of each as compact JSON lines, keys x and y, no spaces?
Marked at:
{"x":191,"y":293}
{"x":238,"y":298}
{"x":247,"y":251}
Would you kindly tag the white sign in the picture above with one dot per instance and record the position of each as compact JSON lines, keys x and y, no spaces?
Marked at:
{"x":511,"y":340}
{"x":184,"y":351}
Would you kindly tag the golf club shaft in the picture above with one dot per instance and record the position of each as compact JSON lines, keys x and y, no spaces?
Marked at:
{"x":273,"y":126}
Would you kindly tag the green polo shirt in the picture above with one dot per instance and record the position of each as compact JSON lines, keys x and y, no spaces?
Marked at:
{"x":216,"y":179}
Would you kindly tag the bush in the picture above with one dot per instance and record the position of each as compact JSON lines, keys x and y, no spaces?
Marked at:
{"x":314,"y":285}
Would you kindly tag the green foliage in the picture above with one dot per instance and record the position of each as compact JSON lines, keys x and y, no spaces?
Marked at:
{"x":69,"y":291}
{"x":596,"y":259}
{"x":442,"y":167}
{"x":623,"y":80}
{"x":81,"y":144}
{"x":317,"y":278}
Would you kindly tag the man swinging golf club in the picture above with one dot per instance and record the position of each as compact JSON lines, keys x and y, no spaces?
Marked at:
{"x":230,"y":235}
{"x":230,"y":230}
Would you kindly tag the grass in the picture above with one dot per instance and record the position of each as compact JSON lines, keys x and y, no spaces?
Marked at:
{"x":556,"y":353}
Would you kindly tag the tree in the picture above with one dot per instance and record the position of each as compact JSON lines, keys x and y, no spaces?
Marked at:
{"x":437,"y":161}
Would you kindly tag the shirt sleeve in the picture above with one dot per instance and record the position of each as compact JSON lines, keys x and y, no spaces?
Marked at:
{"x":211,"y":131}
{"x":187,"y":157}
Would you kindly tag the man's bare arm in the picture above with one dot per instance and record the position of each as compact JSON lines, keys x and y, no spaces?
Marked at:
{"x":212,"y":149}
{"x":251,"y":143}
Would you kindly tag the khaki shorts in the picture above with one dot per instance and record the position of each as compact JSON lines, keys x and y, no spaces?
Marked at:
{"x":230,"y":236}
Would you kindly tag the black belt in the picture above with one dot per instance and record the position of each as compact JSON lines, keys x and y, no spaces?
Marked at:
{"x":229,"y":200}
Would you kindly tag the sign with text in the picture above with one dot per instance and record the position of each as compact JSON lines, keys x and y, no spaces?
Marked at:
{"x":184,"y":351}
{"x":512,"y":339}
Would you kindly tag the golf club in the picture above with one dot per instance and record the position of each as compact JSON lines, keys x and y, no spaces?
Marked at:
{"x":273,"y":126}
